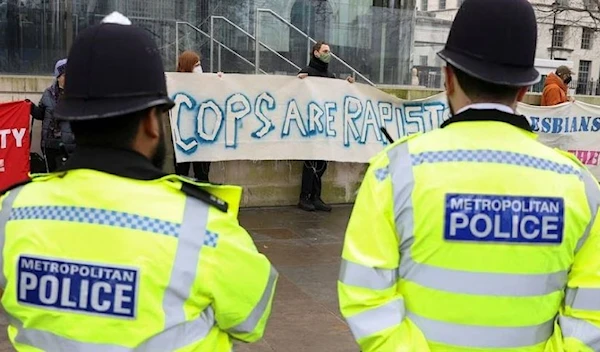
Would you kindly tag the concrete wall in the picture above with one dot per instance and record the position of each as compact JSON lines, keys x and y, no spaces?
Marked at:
{"x":266,"y":183}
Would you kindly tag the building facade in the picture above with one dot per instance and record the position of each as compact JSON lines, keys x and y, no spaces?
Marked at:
{"x":374,"y":37}
{"x":567,"y":31}
{"x":431,"y":33}
{"x":444,"y":9}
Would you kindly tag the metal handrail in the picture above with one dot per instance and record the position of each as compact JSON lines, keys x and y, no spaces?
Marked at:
{"x":212,"y":25}
{"x":177,"y":23}
{"x":289,"y":24}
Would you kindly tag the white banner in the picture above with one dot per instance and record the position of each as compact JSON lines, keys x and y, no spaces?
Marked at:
{"x":265,"y":117}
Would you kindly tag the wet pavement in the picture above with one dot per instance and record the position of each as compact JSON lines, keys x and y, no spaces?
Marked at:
{"x":305,"y":248}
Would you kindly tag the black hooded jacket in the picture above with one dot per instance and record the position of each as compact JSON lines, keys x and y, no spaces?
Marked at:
{"x":317,"y":68}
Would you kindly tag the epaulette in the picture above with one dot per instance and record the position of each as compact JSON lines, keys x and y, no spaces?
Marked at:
{"x":194,"y":190}
{"x":408,"y":137}
{"x":16,"y":185}
{"x":403,"y":140}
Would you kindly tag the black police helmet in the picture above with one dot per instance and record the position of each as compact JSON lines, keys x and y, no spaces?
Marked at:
{"x":494,"y":41}
{"x":114,"y":69}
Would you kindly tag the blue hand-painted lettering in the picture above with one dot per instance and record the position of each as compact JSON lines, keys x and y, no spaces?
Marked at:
{"x":293,"y":114}
{"x":534,"y":121}
{"x":415,"y":122}
{"x":189,"y":145}
{"x":400,"y":121}
{"x":585,"y":124}
{"x":238,"y":106}
{"x":315,"y":125}
{"x":361,"y":119}
{"x":330,"y":109}
{"x":596,"y":124}
{"x":208,"y":108}
{"x":265,"y":99}
{"x":437,"y":113}
{"x":352,"y":111}
{"x":568,"y":124}
{"x":370,"y":120}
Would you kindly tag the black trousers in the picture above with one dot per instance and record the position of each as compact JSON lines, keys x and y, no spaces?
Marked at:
{"x":201,"y":170}
{"x":312,"y":172}
{"x":53,"y":158}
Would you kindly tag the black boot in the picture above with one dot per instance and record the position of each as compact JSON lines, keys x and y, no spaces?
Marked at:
{"x":305,"y":203}
{"x":320,"y":205}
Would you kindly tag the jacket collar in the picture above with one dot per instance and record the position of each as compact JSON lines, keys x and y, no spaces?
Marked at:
{"x":118,"y":162}
{"x":519,"y":121}
{"x":487,"y":106}
{"x":318,"y":64}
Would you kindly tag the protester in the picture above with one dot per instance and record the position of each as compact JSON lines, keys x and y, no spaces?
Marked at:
{"x":313,"y":170}
{"x":476,"y":236}
{"x":189,"y":61}
{"x":556,"y":87}
{"x":112,"y":254}
{"x":57,"y":137}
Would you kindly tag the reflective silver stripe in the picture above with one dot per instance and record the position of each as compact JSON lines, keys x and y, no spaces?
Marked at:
{"x":374,"y":320}
{"x":581,"y":330}
{"x":183,"y":273}
{"x":402,"y":183}
{"x":593,"y":197}
{"x":248,"y":325}
{"x":7,"y":205}
{"x":354,"y":274}
{"x":583,"y":298}
{"x":457,"y":281}
{"x":481,"y":283}
{"x":473,"y":336}
{"x":175,"y":338}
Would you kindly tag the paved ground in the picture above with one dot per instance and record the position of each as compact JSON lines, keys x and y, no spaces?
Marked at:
{"x":305,"y":248}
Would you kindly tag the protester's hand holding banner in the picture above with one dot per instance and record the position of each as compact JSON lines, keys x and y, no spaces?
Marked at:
{"x":264,"y":117}
{"x":14,"y":142}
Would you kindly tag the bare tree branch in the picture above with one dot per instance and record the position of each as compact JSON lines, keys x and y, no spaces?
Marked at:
{"x":584,"y":14}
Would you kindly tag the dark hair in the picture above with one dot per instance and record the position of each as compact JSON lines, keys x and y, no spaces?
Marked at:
{"x":478,"y":90}
{"x":317,"y":46}
{"x":114,"y":132}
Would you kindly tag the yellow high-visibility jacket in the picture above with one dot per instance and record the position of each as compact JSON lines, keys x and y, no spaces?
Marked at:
{"x":474,"y":237}
{"x":96,"y":262}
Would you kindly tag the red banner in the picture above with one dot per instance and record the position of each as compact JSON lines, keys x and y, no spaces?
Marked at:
{"x":14,"y":143}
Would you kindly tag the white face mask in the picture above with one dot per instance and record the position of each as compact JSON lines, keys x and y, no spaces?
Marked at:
{"x":198,"y":69}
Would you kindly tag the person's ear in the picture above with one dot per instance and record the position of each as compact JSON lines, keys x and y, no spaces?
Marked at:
{"x":521,"y":94}
{"x":151,"y":123}
{"x":450,"y":79}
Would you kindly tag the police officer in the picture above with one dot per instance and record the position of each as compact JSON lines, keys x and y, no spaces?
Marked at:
{"x":111,"y":254}
{"x":475,"y":236}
